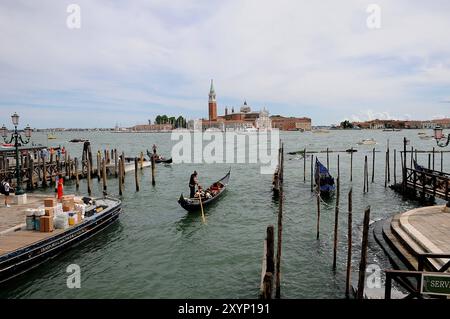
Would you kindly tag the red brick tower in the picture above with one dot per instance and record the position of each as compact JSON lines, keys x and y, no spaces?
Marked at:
{"x":212,"y":105}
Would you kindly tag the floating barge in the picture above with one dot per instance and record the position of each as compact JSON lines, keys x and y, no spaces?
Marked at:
{"x":22,"y":250}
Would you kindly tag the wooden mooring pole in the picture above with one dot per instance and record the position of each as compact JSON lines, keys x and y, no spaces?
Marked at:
{"x":120,"y":177}
{"x":366,"y":175}
{"x":349,"y":246}
{"x":153,"y":171}
{"x":105,"y":187}
{"x":386,"y":170}
{"x":351,"y":165}
{"x":404,"y":166}
{"x":280,"y":228}
{"x":336,"y":224}
{"x":318,"y":208}
{"x":116,"y":163}
{"x":373,"y":164}
{"x":312,"y":173}
{"x":268,"y":267}
{"x":328,"y":158}
{"x":363,"y":262}
{"x":395,"y":167}
{"x":89,"y":177}
{"x":304,"y":165}
{"x":77,"y":180}
{"x":388,"y":151}
{"x":136,"y":179}
{"x":99,"y":159}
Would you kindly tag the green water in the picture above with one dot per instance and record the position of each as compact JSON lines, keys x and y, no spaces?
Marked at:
{"x":158,"y":250}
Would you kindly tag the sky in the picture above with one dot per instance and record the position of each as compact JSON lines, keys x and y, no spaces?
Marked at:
{"x":132,"y":60}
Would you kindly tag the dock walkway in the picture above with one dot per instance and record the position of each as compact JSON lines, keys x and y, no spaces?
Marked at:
{"x":418,"y":231}
{"x":14,"y":216}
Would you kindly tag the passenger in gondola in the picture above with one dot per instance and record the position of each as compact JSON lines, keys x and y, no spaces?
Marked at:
{"x":193,"y":181}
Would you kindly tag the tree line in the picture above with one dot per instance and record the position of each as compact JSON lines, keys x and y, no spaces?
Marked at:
{"x":177,"y":122}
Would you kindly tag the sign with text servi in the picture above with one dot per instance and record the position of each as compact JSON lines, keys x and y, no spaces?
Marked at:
{"x":435,"y":284}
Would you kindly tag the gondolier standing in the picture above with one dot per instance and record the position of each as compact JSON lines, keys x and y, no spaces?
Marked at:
{"x":154,"y":149}
{"x":192,"y":182}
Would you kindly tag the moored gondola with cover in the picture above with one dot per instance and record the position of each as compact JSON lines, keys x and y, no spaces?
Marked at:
{"x":324,"y":180}
{"x":209,"y":195}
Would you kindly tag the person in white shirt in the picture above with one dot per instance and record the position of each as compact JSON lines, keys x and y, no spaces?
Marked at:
{"x":6,"y":188}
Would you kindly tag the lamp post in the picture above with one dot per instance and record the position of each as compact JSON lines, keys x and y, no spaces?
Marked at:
{"x":16,"y":137}
{"x":439,"y":137}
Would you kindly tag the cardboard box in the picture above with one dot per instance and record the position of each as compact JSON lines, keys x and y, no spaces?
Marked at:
{"x":68,"y":197}
{"x":46,"y":223}
{"x":50,"y":211}
{"x":50,"y":202}
{"x":68,"y":208}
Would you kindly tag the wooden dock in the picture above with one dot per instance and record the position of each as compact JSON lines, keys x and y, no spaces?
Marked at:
{"x":40,"y":166}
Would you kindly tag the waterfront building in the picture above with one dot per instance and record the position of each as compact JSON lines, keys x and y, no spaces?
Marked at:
{"x":291,"y":123}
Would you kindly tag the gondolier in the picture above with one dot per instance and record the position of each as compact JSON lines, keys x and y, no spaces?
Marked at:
{"x":204,"y":197}
{"x":192,"y":182}
{"x":154,"y":149}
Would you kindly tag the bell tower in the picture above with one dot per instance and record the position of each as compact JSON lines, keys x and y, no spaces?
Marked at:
{"x":212,"y":105}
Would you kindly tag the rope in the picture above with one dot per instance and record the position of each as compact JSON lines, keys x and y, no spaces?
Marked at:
{"x":325,"y":203}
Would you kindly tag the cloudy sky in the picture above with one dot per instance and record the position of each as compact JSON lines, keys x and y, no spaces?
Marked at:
{"x":132,"y":60}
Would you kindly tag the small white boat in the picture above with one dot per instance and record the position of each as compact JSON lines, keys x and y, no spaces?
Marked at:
{"x":368,"y":141}
{"x":426,"y":137}
{"x":320,"y":131}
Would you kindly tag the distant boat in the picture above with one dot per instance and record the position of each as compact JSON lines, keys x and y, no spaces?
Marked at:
{"x":367,"y":141}
{"x":51,"y":136}
{"x":320,"y":131}
{"x":391,"y":130}
{"x":251,"y":130}
{"x":323,"y":179}
{"x":426,"y":137}
{"x":78,"y":140}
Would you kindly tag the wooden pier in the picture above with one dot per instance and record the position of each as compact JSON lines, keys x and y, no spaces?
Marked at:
{"x":39,"y":166}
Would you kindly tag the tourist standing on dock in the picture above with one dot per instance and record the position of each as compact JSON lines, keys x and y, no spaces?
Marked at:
{"x":60,"y":187}
{"x":192,"y":182}
{"x":5,"y":189}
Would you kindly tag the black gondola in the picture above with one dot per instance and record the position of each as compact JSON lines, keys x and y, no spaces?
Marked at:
{"x":99,"y":215}
{"x":324,"y":179}
{"x":215,"y":190}
{"x":159,"y":159}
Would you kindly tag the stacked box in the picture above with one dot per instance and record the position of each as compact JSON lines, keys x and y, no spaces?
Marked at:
{"x":68,"y":203}
{"x":50,"y":211}
{"x":50,"y":202}
{"x":46,"y":224}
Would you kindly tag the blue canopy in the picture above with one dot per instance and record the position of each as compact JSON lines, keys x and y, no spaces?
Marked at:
{"x":323,"y":178}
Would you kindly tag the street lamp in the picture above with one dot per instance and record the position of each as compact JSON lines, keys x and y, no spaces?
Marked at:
{"x":16,"y":137}
{"x":439,"y":136}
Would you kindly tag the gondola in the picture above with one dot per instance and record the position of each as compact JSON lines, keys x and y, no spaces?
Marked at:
{"x":323,"y":179}
{"x":159,"y":159}
{"x":78,"y":140}
{"x":215,"y":190}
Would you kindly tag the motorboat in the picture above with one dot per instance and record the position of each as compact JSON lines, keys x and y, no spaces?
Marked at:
{"x":367,"y":141}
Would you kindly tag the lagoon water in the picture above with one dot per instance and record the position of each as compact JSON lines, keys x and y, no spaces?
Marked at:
{"x":158,"y":250}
